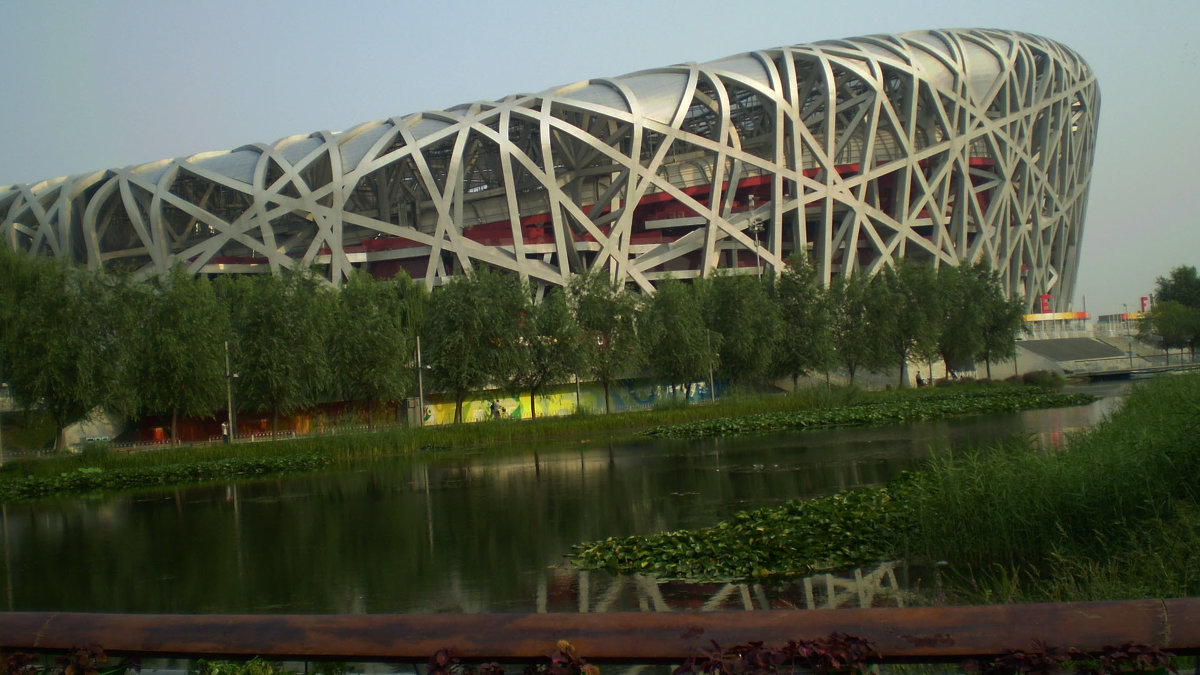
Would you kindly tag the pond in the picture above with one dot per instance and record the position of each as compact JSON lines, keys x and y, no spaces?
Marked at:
{"x":449,"y":533}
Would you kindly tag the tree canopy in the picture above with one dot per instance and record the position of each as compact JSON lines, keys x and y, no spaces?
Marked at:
{"x":679,"y":348}
{"x":607,"y":317}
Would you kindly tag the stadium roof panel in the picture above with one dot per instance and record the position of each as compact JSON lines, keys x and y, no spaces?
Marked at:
{"x":944,"y":146}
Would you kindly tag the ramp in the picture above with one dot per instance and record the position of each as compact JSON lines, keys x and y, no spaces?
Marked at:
{"x":1071,"y":349}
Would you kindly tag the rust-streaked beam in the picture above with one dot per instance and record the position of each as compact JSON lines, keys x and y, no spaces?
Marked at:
{"x":903,"y":634}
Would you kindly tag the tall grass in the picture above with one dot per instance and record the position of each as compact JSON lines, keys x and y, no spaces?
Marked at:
{"x":1015,"y":507}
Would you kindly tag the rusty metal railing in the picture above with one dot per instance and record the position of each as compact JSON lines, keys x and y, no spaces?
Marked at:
{"x":927,"y":634}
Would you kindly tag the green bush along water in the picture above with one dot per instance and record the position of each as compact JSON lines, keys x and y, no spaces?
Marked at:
{"x":1112,"y":516}
{"x":1115,"y":514}
{"x":911,"y":406}
{"x":101,"y":469}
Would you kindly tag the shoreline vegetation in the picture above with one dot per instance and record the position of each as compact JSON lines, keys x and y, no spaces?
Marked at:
{"x":1115,"y":515}
{"x":101,"y":470}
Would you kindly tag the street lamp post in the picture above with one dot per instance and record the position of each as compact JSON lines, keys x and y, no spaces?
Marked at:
{"x":3,"y":395}
{"x":1128,"y":333}
{"x":420,"y":386}
{"x":229,"y":416}
{"x":755,"y":228}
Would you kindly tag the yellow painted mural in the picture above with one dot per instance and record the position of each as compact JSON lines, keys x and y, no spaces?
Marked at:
{"x":562,"y":400}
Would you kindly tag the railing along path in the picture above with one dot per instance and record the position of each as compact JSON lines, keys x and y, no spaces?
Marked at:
{"x":925,"y":634}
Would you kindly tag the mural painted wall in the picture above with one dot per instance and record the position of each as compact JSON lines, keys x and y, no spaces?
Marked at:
{"x":624,"y":395}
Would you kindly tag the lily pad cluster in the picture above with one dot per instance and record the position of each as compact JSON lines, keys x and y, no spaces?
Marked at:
{"x":849,"y":528}
{"x":937,"y":404}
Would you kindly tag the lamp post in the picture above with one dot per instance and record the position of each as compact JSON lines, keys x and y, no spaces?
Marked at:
{"x":3,"y":396}
{"x":1128,"y":333}
{"x":755,"y":227}
{"x":229,"y":416}
{"x":420,"y":386}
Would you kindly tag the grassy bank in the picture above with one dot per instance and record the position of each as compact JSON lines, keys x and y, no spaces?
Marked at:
{"x":1114,"y":515}
{"x":101,"y":470}
{"x":914,"y":406}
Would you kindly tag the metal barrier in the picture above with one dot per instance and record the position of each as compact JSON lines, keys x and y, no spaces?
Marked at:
{"x":926,"y":634}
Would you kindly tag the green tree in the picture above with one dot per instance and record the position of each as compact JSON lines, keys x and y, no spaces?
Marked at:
{"x":678,"y":347}
{"x":16,"y":276}
{"x":806,"y":343}
{"x":923,"y":310}
{"x":904,"y":315}
{"x":180,"y":363}
{"x":473,"y":331}
{"x":608,"y":319}
{"x":852,"y":341}
{"x":961,"y":340}
{"x":279,"y":347}
{"x":551,"y":346}
{"x":1003,"y":320}
{"x":887,"y":324}
{"x":371,"y":340}
{"x":1182,"y":285}
{"x":65,"y":347}
{"x":1176,"y":324}
{"x":739,"y":308}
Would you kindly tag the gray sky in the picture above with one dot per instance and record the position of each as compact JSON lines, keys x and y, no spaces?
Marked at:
{"x":95,"y":85}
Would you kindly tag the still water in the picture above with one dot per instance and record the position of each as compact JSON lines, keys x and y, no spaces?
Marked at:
{"x":480,"y":533}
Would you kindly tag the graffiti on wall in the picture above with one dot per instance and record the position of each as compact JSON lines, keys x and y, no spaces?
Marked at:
{"x":566,"y":399}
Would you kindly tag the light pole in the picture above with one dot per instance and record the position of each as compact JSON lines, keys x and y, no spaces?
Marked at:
{"x":755,"y":227}
{"x":229,"y":416}
{"x":420,"y":386}
{"x":1128,"y":333}
{"x":3,"y":395}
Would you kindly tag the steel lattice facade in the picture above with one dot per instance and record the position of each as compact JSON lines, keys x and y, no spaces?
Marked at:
{"x":941,"y":146}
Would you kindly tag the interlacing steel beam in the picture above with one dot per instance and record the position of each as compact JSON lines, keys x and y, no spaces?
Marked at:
{"x":946,"y":147}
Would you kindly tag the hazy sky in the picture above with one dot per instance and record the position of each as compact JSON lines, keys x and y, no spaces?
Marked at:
{"x":95,"y":85}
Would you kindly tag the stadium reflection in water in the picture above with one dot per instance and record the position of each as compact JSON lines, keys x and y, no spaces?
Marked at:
{"x":462,"y":533}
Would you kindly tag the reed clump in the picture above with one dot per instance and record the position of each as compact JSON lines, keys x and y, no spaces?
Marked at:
{"x":1116,"y":514}
{"x":1016,"y":506}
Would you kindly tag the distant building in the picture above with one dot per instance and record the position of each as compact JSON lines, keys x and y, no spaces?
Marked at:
{"x":942,"y":146}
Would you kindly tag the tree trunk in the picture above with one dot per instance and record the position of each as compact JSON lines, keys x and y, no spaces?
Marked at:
{"x":988,"y":361}
{"x":175,"y":423}
{"x":903,"y":380}
{"x":607,"y":404}
{"x":458,"y":401}
{"x":274,"y":422}
{"x":532,"y":405}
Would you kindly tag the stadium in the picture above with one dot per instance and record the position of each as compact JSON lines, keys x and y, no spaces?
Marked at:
{"x":945,"y":147}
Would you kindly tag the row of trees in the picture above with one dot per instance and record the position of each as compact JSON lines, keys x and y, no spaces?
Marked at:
{"x":1175,"y":315}
{"x":485,"y":329}
{"x":71,"y":341}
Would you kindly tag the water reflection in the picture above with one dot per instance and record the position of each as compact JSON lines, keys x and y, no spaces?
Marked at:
{"x":567,"y":590}
{"x":441,"y":533}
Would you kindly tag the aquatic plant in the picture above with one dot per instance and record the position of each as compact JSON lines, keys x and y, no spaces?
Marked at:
{"x":935,"y":404}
